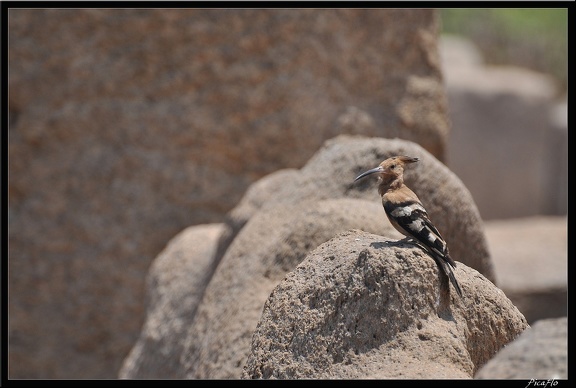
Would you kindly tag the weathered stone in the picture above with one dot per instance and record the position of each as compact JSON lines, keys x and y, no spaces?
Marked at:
{"x":540,"y":353}
{"x":271,"y":244}
{"x":255,"y":197}
{"x":363,"y":306}
{"x":176,"y":283}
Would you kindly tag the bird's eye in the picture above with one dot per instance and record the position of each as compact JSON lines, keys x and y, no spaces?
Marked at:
{"x":393,"y":166}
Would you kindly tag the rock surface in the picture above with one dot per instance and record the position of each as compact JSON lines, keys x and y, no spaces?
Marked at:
{"x":128,"y":125}
{"x":362,"y":306}
{"x":540,"y":353}
{"x":176,"y":283}
{"x":530,"y":258}
{"x":271,"y":244}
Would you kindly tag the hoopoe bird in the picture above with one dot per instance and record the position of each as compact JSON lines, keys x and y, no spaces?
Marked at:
{"x":407,"y":214}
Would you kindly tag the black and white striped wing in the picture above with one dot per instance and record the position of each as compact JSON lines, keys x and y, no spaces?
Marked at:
{"x":412,"y":220}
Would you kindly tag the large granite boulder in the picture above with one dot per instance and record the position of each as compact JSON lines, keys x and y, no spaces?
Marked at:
{"x":362,"y":306}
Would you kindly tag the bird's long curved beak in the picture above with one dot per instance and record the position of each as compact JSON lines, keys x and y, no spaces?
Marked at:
{"x":366,"y":173}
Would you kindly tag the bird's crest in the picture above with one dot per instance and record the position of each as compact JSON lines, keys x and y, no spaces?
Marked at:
{"x":395,"y":161}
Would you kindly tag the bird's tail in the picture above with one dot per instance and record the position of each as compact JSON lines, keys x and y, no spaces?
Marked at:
{"x":454,"y":281}
{"x":449,"y":272}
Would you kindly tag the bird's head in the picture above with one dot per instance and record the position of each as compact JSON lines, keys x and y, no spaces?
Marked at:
{"x":390,"y":168}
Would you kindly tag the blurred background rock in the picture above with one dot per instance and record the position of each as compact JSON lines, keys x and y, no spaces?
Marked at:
{"x":116,"y":144}
{"x":505,"y":74}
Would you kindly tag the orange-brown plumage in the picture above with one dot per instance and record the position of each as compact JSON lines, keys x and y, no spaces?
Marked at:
{"x":407,"y":214}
